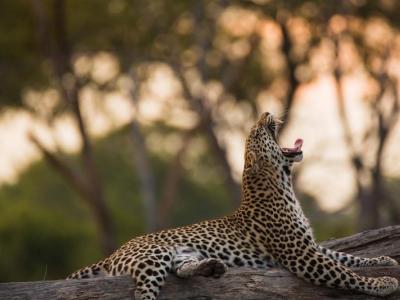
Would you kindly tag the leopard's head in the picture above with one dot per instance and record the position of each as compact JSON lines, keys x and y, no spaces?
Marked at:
{"x":263,"y":150}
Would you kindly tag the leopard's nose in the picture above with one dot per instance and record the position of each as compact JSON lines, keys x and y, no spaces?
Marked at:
{"x":265,"y":119}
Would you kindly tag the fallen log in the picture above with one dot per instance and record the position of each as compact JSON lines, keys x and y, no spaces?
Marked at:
{"x":236,"y":284}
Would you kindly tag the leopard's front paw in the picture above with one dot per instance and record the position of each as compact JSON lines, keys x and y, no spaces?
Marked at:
{"x":211,"y":267}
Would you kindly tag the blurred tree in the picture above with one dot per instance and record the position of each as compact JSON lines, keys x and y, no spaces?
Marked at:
{"x":87,"y":184}
{"x":384,"y":110}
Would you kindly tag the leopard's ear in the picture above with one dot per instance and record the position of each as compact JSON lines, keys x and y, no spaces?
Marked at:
{"x":253,"y":163}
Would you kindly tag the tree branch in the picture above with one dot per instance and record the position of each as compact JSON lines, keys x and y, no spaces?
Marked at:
{"x":236,"y":284}
{"x":74,"y":179}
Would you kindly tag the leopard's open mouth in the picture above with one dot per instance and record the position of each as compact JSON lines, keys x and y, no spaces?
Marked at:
{"x":294,"y":151}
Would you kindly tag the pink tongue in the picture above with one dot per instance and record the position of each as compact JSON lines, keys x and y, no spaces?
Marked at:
{"x":297,"y":145}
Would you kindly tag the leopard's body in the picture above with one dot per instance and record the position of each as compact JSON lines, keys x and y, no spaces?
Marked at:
{"x":268,"y":229}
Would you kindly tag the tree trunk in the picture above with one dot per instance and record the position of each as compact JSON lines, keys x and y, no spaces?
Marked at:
{"x":237,"y":283}
{"x":171,"y":183}
{"x":146,"y":178}
{"x":291,"y":66}
{"x":89,"y":184}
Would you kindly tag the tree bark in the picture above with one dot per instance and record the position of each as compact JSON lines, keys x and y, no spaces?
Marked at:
{"x":237,"y":283}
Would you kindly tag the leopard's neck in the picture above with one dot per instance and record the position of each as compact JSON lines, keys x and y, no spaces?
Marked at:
{"x":268,"y":201}
{"x":269,"y":185}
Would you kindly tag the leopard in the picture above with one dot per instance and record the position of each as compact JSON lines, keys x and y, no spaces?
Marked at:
{"x":268,"y":229}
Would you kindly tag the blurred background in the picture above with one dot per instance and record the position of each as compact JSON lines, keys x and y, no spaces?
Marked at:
{"x":123,"y":117}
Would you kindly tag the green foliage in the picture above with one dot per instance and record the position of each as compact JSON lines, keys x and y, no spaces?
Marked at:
{"x":41,"y":245}
{"x":43,"y":228}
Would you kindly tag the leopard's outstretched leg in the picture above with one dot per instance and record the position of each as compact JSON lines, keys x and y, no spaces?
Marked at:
{"x":349,"y":260}
{"x":149,"y":268}
{"x":188,"y":262}
{"x":153,"y":265}
{"x":320,"y":269}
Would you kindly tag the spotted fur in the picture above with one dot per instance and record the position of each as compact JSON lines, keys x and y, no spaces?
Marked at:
{"x":268,"y":229}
